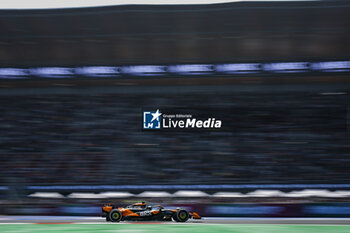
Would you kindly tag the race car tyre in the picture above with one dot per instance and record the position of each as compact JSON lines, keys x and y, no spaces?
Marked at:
{"x":174,"y":218}
{"x":115,"y":215}
{"x":182,"y":216}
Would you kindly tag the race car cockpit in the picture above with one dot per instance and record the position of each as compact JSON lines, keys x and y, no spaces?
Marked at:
{"x":138,"y":206}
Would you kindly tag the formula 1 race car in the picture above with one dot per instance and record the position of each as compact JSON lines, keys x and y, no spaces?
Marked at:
{"x":142,"y":212}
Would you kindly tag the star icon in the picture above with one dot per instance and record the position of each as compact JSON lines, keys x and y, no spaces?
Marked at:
{"x":156,"y":115}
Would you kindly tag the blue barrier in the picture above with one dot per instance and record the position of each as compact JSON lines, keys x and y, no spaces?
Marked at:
{"x":188,"y":187}
{"x":176,"y":69}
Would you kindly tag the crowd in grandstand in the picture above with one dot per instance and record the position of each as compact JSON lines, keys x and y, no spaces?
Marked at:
{"x":98,"y":139}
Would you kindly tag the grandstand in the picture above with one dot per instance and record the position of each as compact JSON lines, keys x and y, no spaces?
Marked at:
{"x":96,"y":139}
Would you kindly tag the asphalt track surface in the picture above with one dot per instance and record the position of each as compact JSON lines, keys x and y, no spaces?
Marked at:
{"x":208,"y":220}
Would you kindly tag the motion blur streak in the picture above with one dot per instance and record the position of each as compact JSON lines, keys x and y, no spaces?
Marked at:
{"x":42,"y":4}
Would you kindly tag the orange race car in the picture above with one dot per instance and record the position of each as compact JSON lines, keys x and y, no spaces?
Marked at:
{"x":142,"y":212}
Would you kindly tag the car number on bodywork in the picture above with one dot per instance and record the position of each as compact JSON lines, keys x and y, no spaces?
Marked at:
{"x":146,"y":213}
